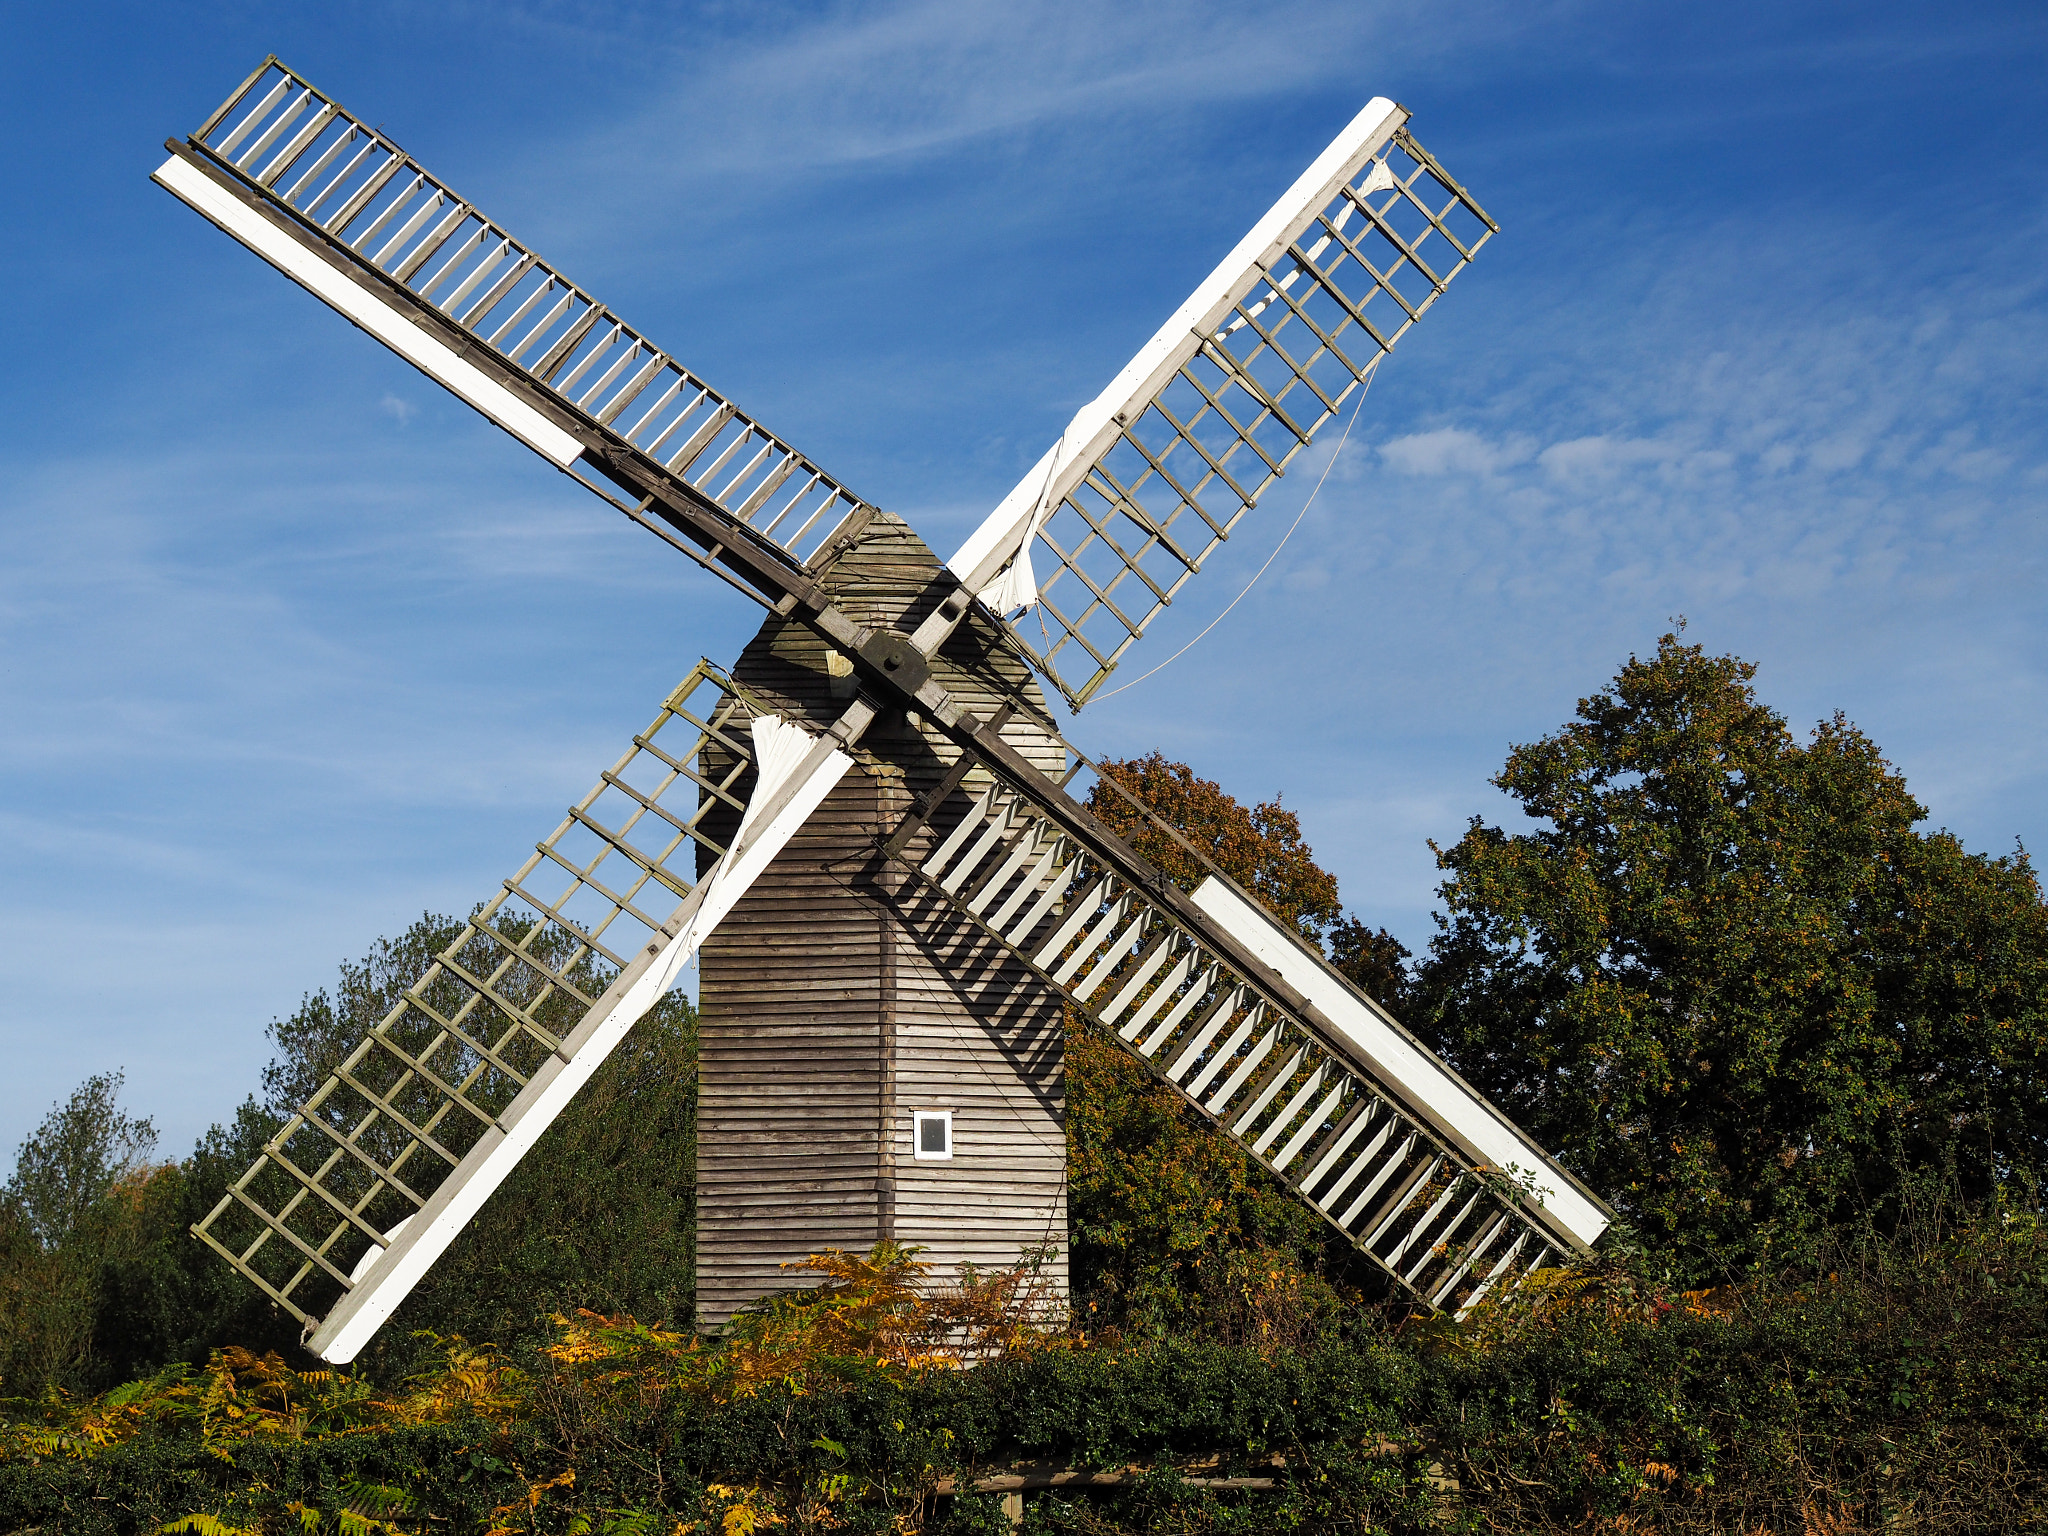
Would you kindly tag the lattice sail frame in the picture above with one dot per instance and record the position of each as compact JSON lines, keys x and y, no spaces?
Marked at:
{"x":352,"y":186}
{"x":1197,"y":444}
{"x":380,"y":1135}
{"x":1193,"y":449}
{"x":1416,"y":1170}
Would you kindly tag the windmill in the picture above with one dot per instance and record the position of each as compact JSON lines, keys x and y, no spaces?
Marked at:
{"x":867,"y":829}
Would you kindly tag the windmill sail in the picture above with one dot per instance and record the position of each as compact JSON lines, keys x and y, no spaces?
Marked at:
{"x":369,"y":1181}
{"x":1254,"y":1030}
{"x":1158,"y":469}
{"x":343,"y":211}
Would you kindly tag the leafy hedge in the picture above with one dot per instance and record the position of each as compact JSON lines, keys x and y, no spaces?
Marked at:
{"x":1906,"y":1390}
{"x":1777,"y":1048}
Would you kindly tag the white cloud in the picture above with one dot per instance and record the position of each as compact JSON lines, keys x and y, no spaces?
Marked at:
{"x":1586,"y":459}
{"x":1453,"y":451}
{"x":882,"y":82}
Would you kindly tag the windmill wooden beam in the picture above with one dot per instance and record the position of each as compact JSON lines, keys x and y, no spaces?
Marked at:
{"x":865,"y":827}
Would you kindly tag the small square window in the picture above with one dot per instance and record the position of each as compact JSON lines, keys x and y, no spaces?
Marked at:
{"x":932,"y":1135}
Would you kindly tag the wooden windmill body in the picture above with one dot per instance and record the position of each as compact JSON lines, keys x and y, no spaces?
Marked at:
{"x":868,"y":829}
{"x":836,"y":1006}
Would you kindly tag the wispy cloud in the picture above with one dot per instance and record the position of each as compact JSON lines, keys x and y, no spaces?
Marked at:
{"x":884,"y":82}
{"x":1844,"y":485}
{"x":295,"y":645}
{"x":1454,"y":451}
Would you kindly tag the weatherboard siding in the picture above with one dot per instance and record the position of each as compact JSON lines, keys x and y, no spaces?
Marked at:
{"x":835,"y":1001}
{"x":790,"y":1057}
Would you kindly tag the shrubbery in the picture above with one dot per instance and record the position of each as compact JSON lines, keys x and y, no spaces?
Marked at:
{"x":1724,"y":975}
{"x":1906,"y":1389}
{"x":101,"y":1280}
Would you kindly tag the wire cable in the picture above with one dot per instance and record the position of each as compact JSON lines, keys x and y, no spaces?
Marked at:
{"x":1176,"y":656}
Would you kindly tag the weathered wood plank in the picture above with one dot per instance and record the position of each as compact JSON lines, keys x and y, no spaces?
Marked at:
{"x":830,"y":1012}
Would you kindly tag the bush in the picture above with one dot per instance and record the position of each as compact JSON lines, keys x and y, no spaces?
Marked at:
{"x":1906,"y":1388}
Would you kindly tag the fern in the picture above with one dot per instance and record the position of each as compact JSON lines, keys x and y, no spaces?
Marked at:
{"x":623,"y":1522}
{"x":203,"y":1524}
{"x":378,"y":1500}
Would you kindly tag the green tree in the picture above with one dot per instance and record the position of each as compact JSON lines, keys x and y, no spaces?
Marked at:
{"x":82,"y":1148}
{"x":160,"y":1296}
{"x":602,"y":1212}
{"x":1174,"y":1227}
{"x":313,"y":1040}
{"x":66,"y":1211}
{"x":1728,"y":981}
{"x":1373,"y":959}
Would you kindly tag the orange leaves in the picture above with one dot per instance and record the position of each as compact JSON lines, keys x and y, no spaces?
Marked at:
{"x":884,"y":1309}
{"x":1261,"y":848}
{"x":873,"y":1313}
{"x":1601,"y":1285}
{"x":526,"y":1507}
{"x":244,"y":1397}
{"x":467,"y":1382}
{"x":1717,"y":1302}
{"x":593,"y":1337}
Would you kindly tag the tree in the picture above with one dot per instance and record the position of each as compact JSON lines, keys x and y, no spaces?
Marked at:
{"x":160,"y":1295}
{"x":76,"y":1155}
{"x":1373,"y":959}
{"x":1174,"y":1227}
{"x":316,"y":1038}
{"x":1164,"y":1211}
{"x":1260,"y":848}
{"x":1727,"y":981}
{"x":65,"y":1213}
{"x":601,"y":1213}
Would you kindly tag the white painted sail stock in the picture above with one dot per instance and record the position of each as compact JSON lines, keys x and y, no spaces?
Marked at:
{"x":796,"y":772}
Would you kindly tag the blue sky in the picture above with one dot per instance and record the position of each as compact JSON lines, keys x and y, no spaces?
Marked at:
{"x":292,"y":646}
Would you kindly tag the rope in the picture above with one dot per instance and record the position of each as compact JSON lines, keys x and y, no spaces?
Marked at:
{"x":1176,"y":656}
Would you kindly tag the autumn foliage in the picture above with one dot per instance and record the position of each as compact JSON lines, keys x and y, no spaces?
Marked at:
{"x":1174,"y":1227}
{"x":1260,"y":847}
{"x":1901,"y":1389}
{"x":870,"y":1314}
{"x":1800,"y":1041}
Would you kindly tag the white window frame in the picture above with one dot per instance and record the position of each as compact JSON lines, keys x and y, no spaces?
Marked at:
{"x":918,"y":1120}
